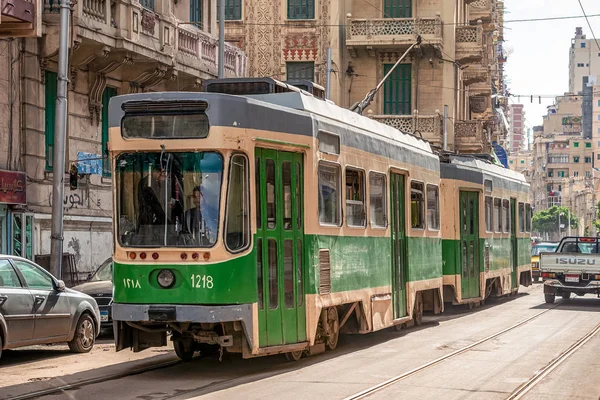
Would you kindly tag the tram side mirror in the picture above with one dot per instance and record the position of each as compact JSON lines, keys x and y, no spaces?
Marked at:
{"x":73,"y":176}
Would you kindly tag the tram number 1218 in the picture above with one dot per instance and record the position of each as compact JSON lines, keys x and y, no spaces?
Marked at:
{"x":202,"y":281}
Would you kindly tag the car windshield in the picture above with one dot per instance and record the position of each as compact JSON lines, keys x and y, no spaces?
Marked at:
{"x":104,"y":273}
{"x":536,"y":250}
{"x":168,"y":199}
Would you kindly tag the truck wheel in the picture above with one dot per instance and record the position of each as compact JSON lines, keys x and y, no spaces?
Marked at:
{"x":566,"y":295}
{"x":1,"y":344}
{"x":549,"y":298}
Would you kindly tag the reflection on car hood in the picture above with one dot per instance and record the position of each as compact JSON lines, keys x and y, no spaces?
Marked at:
{"x":93,"y":288}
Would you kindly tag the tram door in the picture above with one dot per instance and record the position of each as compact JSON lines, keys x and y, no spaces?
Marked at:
{"x":398,"y":245}
{"x":469,"y":244}
{"x":513,"y":243}
{"x":279,"y":244}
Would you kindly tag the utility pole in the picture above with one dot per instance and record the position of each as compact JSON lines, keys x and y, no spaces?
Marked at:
{"x":328,"y":83}
{"x":60,"y":138}
{"x":221,"y":39}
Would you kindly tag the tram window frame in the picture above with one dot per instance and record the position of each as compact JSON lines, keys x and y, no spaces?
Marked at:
{"x":338,"y":168}
{"x":528,"y":216}
{"x":521,"y":217}
{"x":436,"y":210}
{"x":246,"y":234}
{"x":361,"y":191}
{"x":422,"y":202}
{"x":489,"y":213}
{"x":497,"y":211}
{"x":506,"y":215}
{"x":372,"y":212}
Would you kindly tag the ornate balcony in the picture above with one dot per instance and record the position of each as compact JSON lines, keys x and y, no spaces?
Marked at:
{"x":20,"y":18}
{"x":162,"y":48}
{"x":469,"y":137}
{"x":480,"y":10}
{"x":387,"y":33}
{"x":429,"y":127}
{"x":476,"y":73}
{"x":469,"y":44}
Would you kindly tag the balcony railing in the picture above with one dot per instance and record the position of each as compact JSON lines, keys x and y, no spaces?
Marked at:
{"x":480,"y":10}
{"x":430,"y":127}
{"x":393,"y":31}
{"x":469,"y":43}
{"x":469,"y":137}
{"x":146,"y":28}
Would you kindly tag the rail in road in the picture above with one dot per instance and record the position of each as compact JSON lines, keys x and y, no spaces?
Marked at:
{"x":519,"y":392}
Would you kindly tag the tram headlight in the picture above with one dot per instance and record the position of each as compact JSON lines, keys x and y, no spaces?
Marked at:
{"x":166,"y":278}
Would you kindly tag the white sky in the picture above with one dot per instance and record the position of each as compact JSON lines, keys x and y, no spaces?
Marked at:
{"x":539,"y":63}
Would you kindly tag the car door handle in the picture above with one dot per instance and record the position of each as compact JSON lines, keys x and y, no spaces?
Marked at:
{"x":3,"y":299}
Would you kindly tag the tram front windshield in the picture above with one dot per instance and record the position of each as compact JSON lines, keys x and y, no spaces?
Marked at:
{"x":168,"y":199}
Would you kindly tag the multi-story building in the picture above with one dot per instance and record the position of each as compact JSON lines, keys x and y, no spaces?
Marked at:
{"x":116,"y":48}
{"x":584,"y":60}
{"x":522,"y":162}
{"x":517,"y":137}
{"x":456,"y":65}
{"x":559,"y":152}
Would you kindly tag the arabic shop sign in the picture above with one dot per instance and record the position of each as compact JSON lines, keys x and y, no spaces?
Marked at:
{"x":13,"y":187}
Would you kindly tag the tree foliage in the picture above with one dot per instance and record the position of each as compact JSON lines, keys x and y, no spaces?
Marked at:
{"x":547,"y":220}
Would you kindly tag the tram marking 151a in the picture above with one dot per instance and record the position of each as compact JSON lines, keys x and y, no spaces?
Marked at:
{"x":262,"y":219}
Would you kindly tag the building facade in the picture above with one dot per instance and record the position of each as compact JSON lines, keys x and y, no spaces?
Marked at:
{"x":115,"y":48}
{"x":517,"y":135}
{"x":458,"y":64}
{"x":584,"y":60}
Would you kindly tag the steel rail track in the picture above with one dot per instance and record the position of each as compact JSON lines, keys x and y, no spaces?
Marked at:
{"x":540,"y":375}
{"x":90,"y":381}
{"x":376,"y":388}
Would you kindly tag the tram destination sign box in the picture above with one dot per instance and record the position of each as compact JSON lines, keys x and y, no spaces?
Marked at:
{"x":13,"y":186}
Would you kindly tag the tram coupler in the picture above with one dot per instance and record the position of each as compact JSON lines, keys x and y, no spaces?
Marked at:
{"x":213,"y":338}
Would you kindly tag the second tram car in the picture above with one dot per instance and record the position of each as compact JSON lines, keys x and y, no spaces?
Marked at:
{"x":271,"y":223}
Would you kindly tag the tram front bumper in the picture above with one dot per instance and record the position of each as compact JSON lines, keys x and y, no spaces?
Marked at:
{"x":178,"y":313}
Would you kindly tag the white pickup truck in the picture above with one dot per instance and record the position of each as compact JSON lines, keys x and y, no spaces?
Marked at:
{"x":573,"y":268}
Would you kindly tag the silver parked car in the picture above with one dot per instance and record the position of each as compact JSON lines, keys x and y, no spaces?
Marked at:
{"x":36,"y":308}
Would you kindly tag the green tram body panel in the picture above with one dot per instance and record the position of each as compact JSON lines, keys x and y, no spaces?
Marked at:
{"x":499,"y":254}
{"x":356,"y":263}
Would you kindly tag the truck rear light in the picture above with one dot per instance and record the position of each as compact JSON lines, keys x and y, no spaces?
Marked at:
{"x":548,"y":275}
{"x":598,"y":277}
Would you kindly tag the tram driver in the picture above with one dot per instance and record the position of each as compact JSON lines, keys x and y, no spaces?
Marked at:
{"x":194,"y":222}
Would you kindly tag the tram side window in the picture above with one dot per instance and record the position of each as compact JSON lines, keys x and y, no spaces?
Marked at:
{"x":433,"y":207}
{"x":527,"y":218}
{"x":378,"y":206}
{"x":497,"y":215}
{"x":329,"y":194}
{"x":417,"y":205}
{"x":506,"y":211}
{"x":488,"y":214}
{"x":521,"y":217}
{"x":237,"y":232}
{"x":355,"y":197}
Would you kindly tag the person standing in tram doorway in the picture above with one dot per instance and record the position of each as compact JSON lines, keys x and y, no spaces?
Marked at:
{"x":194,"y":221}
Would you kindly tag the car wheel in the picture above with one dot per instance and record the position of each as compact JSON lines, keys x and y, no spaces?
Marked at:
{"x":1,"y":344}
{"x":85,"y":335}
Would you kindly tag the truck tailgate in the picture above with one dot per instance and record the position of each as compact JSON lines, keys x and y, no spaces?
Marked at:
{"x":570,"y":263}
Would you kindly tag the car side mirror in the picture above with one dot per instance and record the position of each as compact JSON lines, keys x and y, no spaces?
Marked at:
{"x":60,"y":286}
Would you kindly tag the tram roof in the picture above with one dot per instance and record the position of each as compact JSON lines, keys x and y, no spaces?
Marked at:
{"x":476,"y":170}
{"x":296,"y":113}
